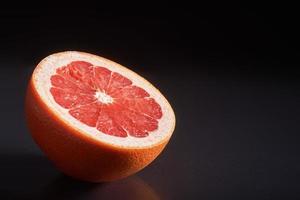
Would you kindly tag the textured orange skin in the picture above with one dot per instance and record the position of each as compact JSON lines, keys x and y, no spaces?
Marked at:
{"x":77,"y":154}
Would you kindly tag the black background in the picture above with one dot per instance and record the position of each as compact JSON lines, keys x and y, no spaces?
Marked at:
{"x":230,"y":71}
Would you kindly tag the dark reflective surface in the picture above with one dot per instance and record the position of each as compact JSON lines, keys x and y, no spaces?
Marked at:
{"x":231,"y":75}
{"x":33,"y":177}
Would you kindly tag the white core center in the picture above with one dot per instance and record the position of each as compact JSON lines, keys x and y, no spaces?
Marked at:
{"x":103,"y":98}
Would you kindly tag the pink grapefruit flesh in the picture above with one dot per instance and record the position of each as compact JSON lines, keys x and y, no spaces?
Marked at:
{"x":105,"y":100}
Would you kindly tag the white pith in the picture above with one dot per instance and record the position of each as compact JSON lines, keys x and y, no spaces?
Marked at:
{"x":47,"y":68}
{"x":103,"y":97}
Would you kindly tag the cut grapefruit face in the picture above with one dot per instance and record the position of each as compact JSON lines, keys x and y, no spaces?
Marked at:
{"x":103,"y":100}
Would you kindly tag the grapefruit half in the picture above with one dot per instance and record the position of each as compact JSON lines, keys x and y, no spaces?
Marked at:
{"x":95,"y":119}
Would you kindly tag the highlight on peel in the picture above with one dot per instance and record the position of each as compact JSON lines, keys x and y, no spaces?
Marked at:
{"x":95,"y":119}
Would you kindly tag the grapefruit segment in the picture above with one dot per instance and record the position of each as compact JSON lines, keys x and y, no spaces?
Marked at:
{"x":117,"y":82}
{"x":69,"y":99}
{"x":67,"y":85}
{"x":101,"y":78}
{"x":131,"y":92}
{"x":87,"y":114}
{"x":95,"y":119}
{"x":152,"y":109}
{"x":79,"y":73}
{"x":107,"y":123}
